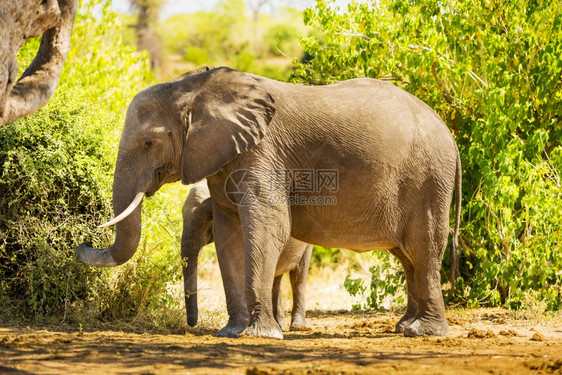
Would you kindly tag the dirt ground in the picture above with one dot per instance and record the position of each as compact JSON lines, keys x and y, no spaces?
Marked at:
{"x":339,"y":342}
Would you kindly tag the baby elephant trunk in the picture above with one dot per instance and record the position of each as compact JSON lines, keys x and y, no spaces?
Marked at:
{"x":191,"y":249}
{"x":197,"y":232}
{"x":193,"y":239}
{"x":190,"y":287}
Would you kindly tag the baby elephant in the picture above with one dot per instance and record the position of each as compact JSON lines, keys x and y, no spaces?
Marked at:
{"x":198,"y":231}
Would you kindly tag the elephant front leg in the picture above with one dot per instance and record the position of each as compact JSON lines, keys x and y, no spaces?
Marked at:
{"x":259,"y":284}
{"x":266,"y":231}
{"x":230,"y":253}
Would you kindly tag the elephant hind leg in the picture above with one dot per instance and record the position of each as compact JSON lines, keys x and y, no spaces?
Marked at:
{"x":298,"y":285}
{"x":278,"y":302}
{"x":430,"y":317}
{"x":412,"y":304}
{"x":425,"y":246}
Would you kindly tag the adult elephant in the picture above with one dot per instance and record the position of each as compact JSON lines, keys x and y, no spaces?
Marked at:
{"x":197,"y":232}
{"x":267,"y":149}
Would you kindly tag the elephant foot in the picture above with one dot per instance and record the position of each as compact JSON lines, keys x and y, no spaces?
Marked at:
{"x":264,"y":327}
{"x":403,"y":323}
{"x":232,"y":329}
{"x":280,"y":319}
{"x":299,"y":328}
{"x":298,"y":323}
{"x":426,"y":327}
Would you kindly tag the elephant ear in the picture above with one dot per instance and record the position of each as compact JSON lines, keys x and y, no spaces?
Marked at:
{"x":228,"y":116}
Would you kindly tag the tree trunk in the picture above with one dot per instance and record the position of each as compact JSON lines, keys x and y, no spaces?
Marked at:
{"x":21,"y":20}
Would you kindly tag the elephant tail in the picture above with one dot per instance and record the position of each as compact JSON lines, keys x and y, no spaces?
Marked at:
{"x":455,"y":242}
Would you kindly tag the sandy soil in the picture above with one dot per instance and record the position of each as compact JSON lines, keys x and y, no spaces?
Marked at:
{"x":339,"y":342}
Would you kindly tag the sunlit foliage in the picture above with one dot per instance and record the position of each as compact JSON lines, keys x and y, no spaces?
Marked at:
{"x":493,"y":71}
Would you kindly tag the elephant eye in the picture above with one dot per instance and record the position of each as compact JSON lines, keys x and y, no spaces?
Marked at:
{"x":148,"y":143}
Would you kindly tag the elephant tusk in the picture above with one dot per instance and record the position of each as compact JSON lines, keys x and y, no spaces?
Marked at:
{"x":127,"y":212}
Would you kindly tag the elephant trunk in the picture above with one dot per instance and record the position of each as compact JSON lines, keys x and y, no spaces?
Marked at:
{"x":127,"y":234}
{"x":191,"y":249}
{"x":197,"y":232}
{"x":190,"y":280}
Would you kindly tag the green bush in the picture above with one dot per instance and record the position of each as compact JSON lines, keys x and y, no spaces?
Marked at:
{"x":56,"y":170}
{"x":230,"y":35}
{"x":196,"y":55}
{"x":243,"y":60}
{"x":281,"y":39}
{"x":325,"y":256}
{"x":219,"y":34}
{"x":492,"y":71}
{"x":386,"y":283}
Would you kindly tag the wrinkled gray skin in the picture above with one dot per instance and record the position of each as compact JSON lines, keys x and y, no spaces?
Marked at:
{"x":198,"y":232}
{"x":397,"y":166}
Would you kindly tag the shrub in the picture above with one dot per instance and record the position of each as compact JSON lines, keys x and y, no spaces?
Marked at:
{"x":56,"y":171}
{"x":280,"y":39}
{"x":196,"y":55}
{"x":493,"y":72}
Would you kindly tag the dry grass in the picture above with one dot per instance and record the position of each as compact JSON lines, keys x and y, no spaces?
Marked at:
{"x":325,"y":290}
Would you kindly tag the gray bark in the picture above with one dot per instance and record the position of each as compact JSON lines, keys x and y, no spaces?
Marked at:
{"x":21,"y":20}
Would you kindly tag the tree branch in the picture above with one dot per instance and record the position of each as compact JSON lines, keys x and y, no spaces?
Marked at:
{"x":39,"y":81}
